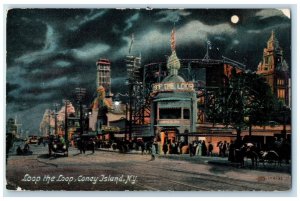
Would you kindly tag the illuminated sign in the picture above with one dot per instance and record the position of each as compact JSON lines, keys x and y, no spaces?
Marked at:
{"x":169,"y":121}
{"x":173,"y":86}
{"x":174,"y":121}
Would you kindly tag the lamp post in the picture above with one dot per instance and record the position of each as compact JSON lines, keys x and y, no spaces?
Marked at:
{"x":49,"y":116}
{"x":130,"y":109}
{"x":247,"y":120}
{"x":66,"y":119}
{"x":284,"y":121}
{"x":126,"y":118}
{"x":55,"y":118}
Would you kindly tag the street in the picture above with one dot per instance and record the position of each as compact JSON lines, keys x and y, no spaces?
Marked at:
{"x":113,"y":171}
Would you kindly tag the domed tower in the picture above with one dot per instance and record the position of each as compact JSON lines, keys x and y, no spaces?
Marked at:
{"x":174,"y":106}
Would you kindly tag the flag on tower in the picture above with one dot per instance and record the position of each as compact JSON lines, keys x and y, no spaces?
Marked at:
{"x":131,"y":43}
{"x":173,"y":41}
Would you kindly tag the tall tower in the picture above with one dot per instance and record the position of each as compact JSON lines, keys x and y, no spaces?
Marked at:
{"x":133,"y":65}
{"x":275,"y":69}
{"x":104,"y":75}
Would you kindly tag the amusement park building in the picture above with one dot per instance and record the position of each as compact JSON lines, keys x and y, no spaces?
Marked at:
{"x":174,"y":106}
{"x":275,"y":69}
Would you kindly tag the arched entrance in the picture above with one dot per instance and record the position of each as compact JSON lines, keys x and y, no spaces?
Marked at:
{"x":169,"y":136}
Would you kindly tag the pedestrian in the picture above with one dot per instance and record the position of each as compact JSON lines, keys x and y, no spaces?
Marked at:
{"x":148,"y":147}
{"x":165,"y":148}
{"x":26,"y":148}
{"x":19,"y":150}
{"x":178,"y":148}
{"x":169,"y":147}
{"x":156,"y":147}
{"x":224,"y":148}
{"x":210,"y":149}
{"x":153,"y":152}
{"x":197,"y":148}
{"x":83,"y":146}
{"x":173,"y":145}
{"x":204,"y":148}
{"x":231,"y":157}
{"x":143,"y":147}
{"x":191,"y":149}
{"x":200,"y":148}
{"x":220,"y":144}
{"x":194,"y":148}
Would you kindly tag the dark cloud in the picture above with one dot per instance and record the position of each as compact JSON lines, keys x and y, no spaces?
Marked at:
{"x":50,"y":52}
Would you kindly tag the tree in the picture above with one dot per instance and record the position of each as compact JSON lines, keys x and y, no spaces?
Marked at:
{"x":244,"y":101}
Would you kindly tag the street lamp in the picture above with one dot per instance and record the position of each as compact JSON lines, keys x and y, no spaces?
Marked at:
{"x":284,"y":109}
{"x":247,"y":120}
{"x":49,"y":126}
{"x":55,"y":118}
{"x":67,"y":102}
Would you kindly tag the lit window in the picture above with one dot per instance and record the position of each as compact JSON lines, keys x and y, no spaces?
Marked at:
{"x":281,"y":93}
{"x":280,"y":82}
{"x":266,"y":60}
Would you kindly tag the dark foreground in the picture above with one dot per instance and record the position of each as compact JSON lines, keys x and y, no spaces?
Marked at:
{"x":111,"y":171}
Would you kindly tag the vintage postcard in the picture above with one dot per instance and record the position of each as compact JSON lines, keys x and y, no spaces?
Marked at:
{"x":148,"y":99}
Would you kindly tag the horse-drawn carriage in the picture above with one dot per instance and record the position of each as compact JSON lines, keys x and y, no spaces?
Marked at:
{"x":274,"y":155}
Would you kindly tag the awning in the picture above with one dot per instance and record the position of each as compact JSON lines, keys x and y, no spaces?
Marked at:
{"x":172,"y":99}
{"x":208,"y":134}
{"x":167,"y":125}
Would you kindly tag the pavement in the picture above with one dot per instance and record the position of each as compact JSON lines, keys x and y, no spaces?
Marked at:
{"x":166,"y":172}
{"x":214,"y":160}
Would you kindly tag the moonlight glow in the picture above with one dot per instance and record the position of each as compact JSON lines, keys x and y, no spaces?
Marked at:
{"x":74,"y":44}
{"x":234,"y":19}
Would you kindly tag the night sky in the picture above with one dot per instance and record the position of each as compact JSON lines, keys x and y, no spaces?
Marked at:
{"x":50,"y":52}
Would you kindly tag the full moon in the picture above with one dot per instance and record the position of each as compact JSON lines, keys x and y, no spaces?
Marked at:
{"x":234,"y":19}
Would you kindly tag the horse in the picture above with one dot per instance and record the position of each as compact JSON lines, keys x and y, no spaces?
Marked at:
{"x":271,"y":157}
{"x":247,"y":150}
{"x":283,"y":149}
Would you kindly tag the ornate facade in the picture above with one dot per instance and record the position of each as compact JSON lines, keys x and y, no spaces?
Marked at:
{"x":275,"y":69}
{"x":174,"y":106}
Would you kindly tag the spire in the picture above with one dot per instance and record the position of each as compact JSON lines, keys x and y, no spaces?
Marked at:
{"x":272,"y":38}
{"x":173,"y":40}
{"x":173,"y":62}
{"x":273,"y":42}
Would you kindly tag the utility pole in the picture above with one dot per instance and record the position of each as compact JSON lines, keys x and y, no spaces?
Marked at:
{"x":66,"y":120}
{"x":55,"y":118}
{"x":130,"y":108}
{"x":284,"y":108}
{"x":18,"y":125}
{"x":49,"y":128}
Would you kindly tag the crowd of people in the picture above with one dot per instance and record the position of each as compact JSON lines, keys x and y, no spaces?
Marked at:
{"x":194,"y":148}
{"x":201,"y":148}
{"x":222,"y":149}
